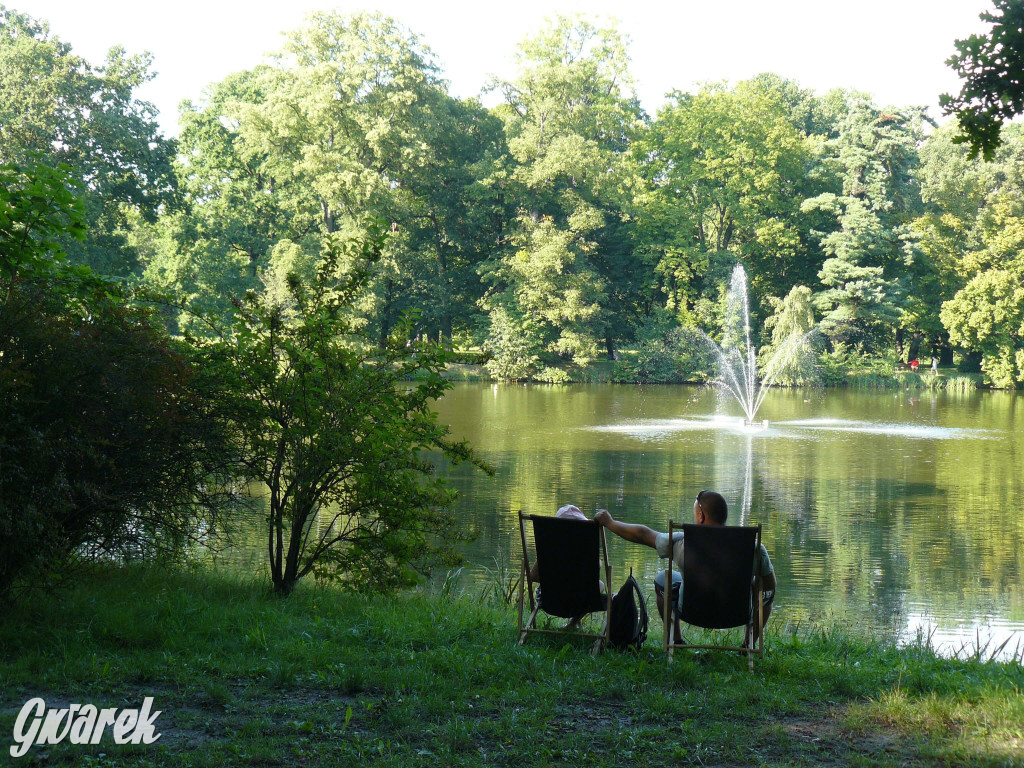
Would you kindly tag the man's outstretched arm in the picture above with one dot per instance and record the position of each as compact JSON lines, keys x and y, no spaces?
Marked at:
{"x":638,"y":534}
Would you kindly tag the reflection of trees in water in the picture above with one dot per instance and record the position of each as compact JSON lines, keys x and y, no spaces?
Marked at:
{"x":922,"y":522}
{"x":869,"y":527}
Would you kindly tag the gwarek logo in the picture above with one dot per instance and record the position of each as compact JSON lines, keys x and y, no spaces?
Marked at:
{"x":82,"y":725}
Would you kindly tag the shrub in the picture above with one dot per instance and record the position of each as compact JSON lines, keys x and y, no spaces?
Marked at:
{"x":105,"y":444}
{"x":551,"y":375}
{"x":318,"y":417}
{"x":514,"y":352}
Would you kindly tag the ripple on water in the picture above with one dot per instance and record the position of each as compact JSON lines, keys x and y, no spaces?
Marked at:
{"x":922,"y":431}
{"x":646,"y":429}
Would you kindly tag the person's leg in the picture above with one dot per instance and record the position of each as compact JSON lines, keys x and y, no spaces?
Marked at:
{"x":767,"y":600}
{"x":659,"y":594}
{"x":576,"y":621}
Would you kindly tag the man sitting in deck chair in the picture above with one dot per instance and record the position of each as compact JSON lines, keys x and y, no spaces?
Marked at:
{"x":710,"y":508}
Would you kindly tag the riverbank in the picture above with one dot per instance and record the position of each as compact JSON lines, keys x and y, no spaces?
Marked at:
{"x":609,"y":372}
{"x":334,"y":679}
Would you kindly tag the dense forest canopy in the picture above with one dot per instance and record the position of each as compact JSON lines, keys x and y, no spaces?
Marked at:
{"x":561,"y":226}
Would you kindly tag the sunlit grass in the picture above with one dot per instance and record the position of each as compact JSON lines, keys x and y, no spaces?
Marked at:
{"x":436,"y":677}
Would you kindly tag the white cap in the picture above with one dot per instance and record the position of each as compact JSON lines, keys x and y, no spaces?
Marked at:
{"x":570,"y":511}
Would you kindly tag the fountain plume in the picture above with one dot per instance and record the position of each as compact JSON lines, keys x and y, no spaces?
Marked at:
{"x":737,"y":356}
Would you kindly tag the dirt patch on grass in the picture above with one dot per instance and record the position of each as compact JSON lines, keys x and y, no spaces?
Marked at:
{"x":827,"y":740}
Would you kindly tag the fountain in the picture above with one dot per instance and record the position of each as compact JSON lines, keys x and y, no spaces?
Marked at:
{"x":737,"y":357}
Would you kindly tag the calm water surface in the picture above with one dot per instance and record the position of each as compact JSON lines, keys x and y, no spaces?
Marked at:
{"x":892,"y":512}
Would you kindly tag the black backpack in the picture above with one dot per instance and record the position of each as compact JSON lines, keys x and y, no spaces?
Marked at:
{"x":628,"y":622}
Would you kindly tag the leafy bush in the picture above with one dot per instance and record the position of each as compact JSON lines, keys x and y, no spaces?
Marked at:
{"x":668,"y":354}
{"x":550,"y":375}
{"x":846,"y":365}
{"x":319,"y":417}
{"x":512,"y":347}
{"x":105,"y":444}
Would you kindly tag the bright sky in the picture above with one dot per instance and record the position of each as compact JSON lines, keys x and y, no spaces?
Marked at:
{"x":893,"y":49}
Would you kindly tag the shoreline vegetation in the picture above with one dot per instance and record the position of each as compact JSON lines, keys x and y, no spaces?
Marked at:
{"x":329,"y":677}
{"x":882,"y":376}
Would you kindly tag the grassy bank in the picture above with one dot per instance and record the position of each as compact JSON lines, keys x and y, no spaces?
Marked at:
{"x":325,"y":678}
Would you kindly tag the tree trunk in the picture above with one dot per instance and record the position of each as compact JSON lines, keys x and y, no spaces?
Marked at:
{"x":609,"y":346}
{"x":915,"y":345}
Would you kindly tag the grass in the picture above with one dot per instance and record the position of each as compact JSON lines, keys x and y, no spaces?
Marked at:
{"x":326,"y":678}
{"x":962,"y":384}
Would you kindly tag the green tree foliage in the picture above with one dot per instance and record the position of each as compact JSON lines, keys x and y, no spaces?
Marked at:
{"x":990,"y":67}
{"x":218,"y":245}
{"x":870,"y":246}
{"x":789,"y":359}
{"x":669,"y":354}
{"x":723,"y":167}
{"x":322,"y":417}
{"x":55,"y":105}
{"x":514,"y":346}
{"x":105,"y":446}
{"x":568,"y":118}
{"x":955,"y":189}
{"x":985,"y":314}
{"x":988,"y":316}
{"x":352,"y":119}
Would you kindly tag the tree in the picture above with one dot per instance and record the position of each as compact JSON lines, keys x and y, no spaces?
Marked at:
{"x":955,"y":190}
{"x":986,"y":314}
{"x":325,"y":419}
{"x":106,"y":448}
{"x":570,"y":265}
{"x":219,"y":243}
{"x":874,"y":155}
{"x":789,"y":360}
{"x":723,"y":168}
{"x":990,"y":68}
{"x":55,"y":105}
{"x":352,"y":119}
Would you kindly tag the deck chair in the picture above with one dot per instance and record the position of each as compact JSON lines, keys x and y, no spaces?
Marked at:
{"x":719,"y":563}
{"x":571,"y":557}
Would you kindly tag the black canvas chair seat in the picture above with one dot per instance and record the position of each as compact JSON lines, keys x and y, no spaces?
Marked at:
{"x":571,"y":557}
{"x":719,"y":564}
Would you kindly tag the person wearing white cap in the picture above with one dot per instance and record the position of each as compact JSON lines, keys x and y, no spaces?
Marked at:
{"x":567,"y":512}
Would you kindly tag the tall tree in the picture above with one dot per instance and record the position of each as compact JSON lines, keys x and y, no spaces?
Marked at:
{"x":56,"y":106}
{"x":874,"y":154}
{"x":351,"y":119}
{"x":954,"y":189}
{"x":724,"y":169}
{"x":986,"y":315}
{"x":569,"y":117}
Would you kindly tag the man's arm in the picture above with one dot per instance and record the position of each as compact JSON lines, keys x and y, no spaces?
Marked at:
{"x":638,"y":534}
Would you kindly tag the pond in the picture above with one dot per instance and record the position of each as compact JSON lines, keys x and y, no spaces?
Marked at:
{"x":893,"y":512}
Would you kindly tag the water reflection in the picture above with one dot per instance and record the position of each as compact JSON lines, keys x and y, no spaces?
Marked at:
{"x":878,"y":509}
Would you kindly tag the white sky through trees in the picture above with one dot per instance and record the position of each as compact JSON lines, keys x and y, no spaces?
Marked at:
{"x":893,"y":49}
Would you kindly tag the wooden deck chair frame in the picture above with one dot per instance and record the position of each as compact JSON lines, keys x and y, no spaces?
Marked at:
{"x":528,"y":585}
{"x":669,"y":604}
